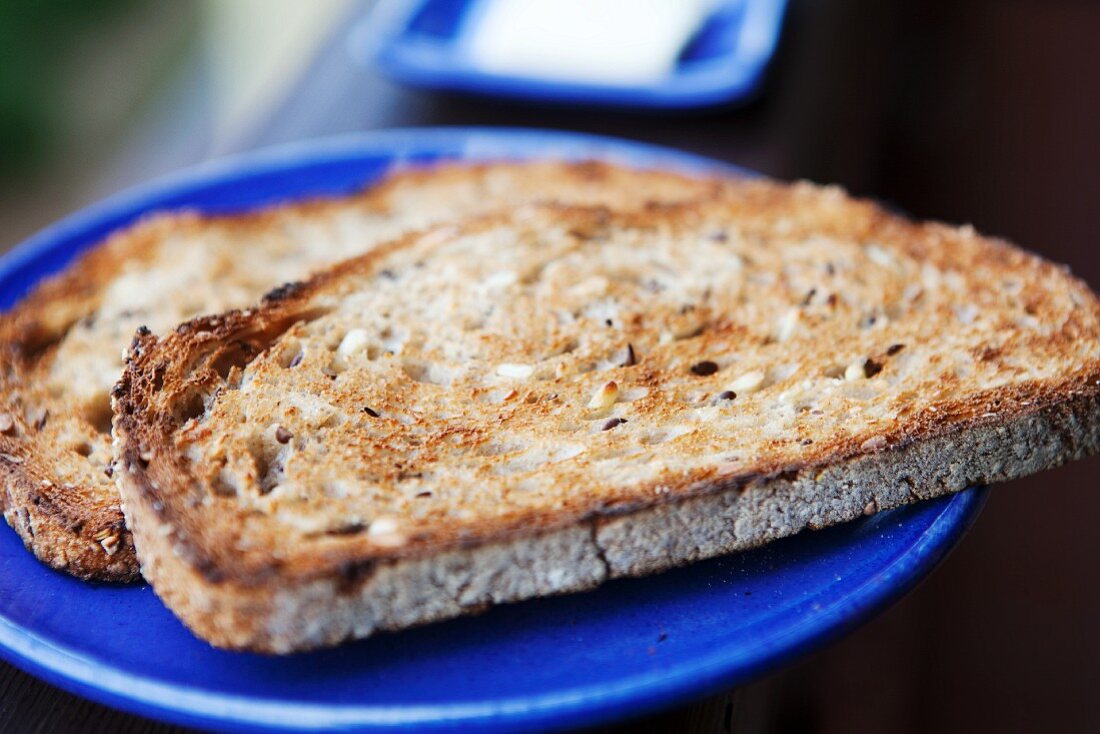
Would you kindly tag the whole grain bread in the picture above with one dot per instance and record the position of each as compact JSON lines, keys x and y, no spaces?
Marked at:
{"x":61,"y":348}
{"x":537,"y":401}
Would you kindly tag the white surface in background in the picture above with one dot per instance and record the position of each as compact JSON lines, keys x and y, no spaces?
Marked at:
{"x":596,"y":41}
{"x":257,"y":49}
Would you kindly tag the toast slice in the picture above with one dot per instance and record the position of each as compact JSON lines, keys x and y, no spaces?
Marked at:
{"x":61,"y":349}
{"x":538,"y":401}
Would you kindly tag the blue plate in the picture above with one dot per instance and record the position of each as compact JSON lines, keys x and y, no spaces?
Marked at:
{"x":420,"y":43}
{"x":629,"y":647}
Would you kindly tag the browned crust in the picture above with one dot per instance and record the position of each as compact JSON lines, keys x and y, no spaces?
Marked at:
{"x":283,"y":615}
{"x":64,"y":524}
{"x":65,"y":527}
{"x":61,"y":524}
{"x":1053,"y":421}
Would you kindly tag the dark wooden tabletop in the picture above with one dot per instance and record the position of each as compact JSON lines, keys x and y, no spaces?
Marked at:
{"x":978,"y":112}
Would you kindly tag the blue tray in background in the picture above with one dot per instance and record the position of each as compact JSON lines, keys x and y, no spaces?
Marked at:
{"x":627,"y":648}
{"x":419,"y":43}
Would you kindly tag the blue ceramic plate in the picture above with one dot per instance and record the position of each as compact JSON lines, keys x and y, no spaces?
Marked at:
{"x":420,"y":43}
{"x":631,"y":646}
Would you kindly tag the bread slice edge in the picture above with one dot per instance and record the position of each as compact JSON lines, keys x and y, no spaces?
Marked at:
{"x":285,"y":616}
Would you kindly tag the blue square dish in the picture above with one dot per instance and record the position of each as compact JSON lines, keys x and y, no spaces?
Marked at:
{"x":420,"y":43}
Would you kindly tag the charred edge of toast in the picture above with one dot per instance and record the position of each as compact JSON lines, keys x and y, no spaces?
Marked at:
{"x":143,"y":428}
{"x":87,"y":540}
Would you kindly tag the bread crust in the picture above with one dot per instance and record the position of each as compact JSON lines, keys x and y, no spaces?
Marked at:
{"x":281,"y":603}
{"x":63,"y":521}
{"x":59,"y":493}
{"x":284,"y":615}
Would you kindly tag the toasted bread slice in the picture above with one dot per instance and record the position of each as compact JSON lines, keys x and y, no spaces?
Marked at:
{"x":61,"y":349}
{"x":538,"y":401}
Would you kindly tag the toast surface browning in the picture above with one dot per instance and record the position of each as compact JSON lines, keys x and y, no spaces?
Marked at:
{"x":536,"y":401}
{"x":62,"y":347}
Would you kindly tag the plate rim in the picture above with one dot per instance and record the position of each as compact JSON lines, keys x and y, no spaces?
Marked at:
{"x":637,"y":694}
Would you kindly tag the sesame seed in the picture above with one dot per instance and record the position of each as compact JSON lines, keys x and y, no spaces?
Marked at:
{"x":282,"y":435}
{"x":894,"y":349}
{"x":788,"y":324}
{"x":370,"y":411}
{"x":879,"y":256}
{"x":604,"y":397}
{"x":612,"y":423}
{"x":383,"y":526}
{"x":385,"y":532}
{"x":630,"y":359}
{"x":727,"y":395}
{"x":110,"y":544}
{"x":515,"y":371}
{"x":875,"y":443}
{"x":704,"y":368}
{"x":354,"y":341}
{"x":748,"y":382}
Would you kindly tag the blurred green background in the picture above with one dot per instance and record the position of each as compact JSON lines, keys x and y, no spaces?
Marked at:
{"x":99,"y":95}
{"x":64,"y":59}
